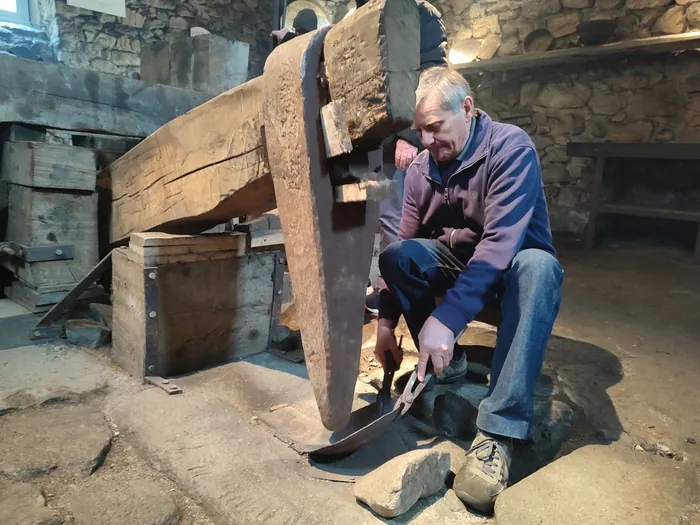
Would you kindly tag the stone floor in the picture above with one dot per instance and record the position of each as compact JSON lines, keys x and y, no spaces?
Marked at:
{"x":617,"y":424}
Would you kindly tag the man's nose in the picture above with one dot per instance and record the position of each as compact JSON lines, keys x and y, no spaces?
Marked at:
{"x":427,"y":139}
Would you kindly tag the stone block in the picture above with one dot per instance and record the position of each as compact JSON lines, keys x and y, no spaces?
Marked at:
{"x":528,"y":93}
{"x":72,"y":440}
{"x":603,"y":103}
{"x":540,"y":10}
{"x":560,"y":96}
{"x":577,"y":4}
{"x":509,"y":47}
{"x":101,"y":313}
{"x":692,"y":13}
{"x":105,"y":500}
{"x":134,"y":18}
{"x":554,"y":174}
{"x":488,"y":48}
{"x":393,"y":488}
{"x":485,"y":26}
{"x":671,"y":22}
{"x":86,"y":332}
{"x":23,"y":504}
{"x":599,"y":484}
{"x":563,"y":25}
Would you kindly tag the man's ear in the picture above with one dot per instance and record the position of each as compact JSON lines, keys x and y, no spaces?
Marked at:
{"x":468,"y":106}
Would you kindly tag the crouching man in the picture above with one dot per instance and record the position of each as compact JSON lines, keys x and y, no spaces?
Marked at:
{"x":474,"y":230}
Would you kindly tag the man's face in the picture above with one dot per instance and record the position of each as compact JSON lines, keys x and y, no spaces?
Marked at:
{"x":442,"y":132}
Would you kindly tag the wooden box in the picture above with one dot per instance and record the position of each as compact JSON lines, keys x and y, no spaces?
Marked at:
{"x":183,"y":303}
{"x":51,"y":201}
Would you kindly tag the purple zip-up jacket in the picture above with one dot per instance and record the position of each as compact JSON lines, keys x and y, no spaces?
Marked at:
{"x":493,"y":207}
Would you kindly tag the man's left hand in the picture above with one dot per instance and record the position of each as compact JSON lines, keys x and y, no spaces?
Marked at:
{"x":404,"y":155}
{"x":436,"y":343}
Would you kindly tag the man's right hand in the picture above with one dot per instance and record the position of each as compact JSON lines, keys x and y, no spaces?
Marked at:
{"x":386,"y":342}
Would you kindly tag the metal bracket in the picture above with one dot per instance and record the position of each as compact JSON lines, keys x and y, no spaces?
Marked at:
{"x":32,"y":254}
{"x":163,"y":384}
{"x":151,"y":361}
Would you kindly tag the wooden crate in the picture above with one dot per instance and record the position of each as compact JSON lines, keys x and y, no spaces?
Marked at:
{"x":51,"y":201}
{"x":183,"y":303}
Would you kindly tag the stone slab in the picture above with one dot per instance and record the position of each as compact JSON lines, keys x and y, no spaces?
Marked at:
{"x":9,"y":308}
{"x":88,"y":333}
{"x":36,"y":375}
{"x":23,"y":504}
{"x":600,"y":484}
{"x":240,"y":473}
{"x":70,"y":441}
{"x":111,"y":500}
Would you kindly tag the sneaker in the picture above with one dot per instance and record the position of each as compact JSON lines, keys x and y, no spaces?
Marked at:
{"x":485,"y":474}
{"x":456,"y":370}
{"x":372,"y":301}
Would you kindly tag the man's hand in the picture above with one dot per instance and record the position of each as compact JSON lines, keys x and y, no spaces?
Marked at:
{"x":386,"y":342}
{"x":436,"y":344}
{"x":279,"y":34}
{"x":405,"y":153}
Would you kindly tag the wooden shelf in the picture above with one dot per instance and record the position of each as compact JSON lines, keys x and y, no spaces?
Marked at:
{"x":644,"y":211}
{"x":656,"y":44}
{"x":635,"y":150}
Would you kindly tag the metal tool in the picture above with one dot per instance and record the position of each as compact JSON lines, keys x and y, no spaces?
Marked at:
{"x":366,"y":424}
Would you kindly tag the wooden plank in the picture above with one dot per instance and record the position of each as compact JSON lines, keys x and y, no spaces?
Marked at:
{"x":376,"y":82}
{"x":635,"y":150}
{"x":641,"y":46}
{"x":226,"y":241}
{"x":53,"y":166}
{"x":336,"y":135}
{"x":362,"y":191}
{"x":39,"y":217}
{"x":155,"y":62}
{"x":20,"y":133}
{"x":644,"y":211}
{"x":58,"y":96}
{"x":209,"y":165}
{"x":39,"y":301}
{"x":128,"y":312}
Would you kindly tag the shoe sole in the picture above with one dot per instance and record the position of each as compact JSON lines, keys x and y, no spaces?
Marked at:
{"x":471,"y":502}
{"x":374,"y":311}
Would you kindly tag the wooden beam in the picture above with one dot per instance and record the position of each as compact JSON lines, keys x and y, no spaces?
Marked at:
{"x":209,"y":165}
{"x":635,"y":150}
{"x":58,"y":96}
{"x":640,"y":46}
{"x":194,"y":168}
{"x":376,"y":82}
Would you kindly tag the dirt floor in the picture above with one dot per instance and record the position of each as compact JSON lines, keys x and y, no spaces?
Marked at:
{"x":624,"y":357}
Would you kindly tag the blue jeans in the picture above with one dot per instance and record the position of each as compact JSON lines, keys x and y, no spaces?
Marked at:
{"x":418,"y":271}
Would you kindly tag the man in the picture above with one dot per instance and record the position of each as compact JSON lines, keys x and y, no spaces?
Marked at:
{"x":305,"y":22}
{"x":401,"y":150}
{"x":474,"y":229}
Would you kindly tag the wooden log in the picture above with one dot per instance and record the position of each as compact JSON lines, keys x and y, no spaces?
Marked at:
{"x":204,"y":167}
{"x":52,"y":166}
{"x":58,"y":96}
{"x":376,"y":82}
{"x":209,"y":166}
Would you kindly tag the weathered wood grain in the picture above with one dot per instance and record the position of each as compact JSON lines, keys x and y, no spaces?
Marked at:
{"x":58,"y":96}
{"x":208,"y":312}
{"x":51,"y":166}
{"x":40,"y":217}
{"x":209,"y":165}
{"x":376,"y":82}
{"x":328,"y":244}
{"x":206,"y":165}
{"x":336,"y":135}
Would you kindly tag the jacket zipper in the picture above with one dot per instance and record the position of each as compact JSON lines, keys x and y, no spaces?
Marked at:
{"x":446,"y":194}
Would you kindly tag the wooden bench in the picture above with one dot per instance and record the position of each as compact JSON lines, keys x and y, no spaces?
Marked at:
{"x":601,"y":151}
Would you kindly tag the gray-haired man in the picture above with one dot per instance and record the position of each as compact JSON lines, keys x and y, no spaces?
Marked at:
{"x":474,"y":229}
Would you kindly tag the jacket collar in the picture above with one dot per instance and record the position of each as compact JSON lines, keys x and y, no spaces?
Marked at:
{"x":477,"y":147}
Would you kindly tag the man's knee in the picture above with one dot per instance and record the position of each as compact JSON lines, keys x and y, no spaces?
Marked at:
{"x":539,"y":267}
{"x":399,"y":256}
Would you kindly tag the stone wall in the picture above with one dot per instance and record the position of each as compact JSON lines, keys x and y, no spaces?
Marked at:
{"x":638,"y":100}
{"x":498,"y":27}
{"x":102,"y":42}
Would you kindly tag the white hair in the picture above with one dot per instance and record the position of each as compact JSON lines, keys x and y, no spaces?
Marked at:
{"x":450,"y":87}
